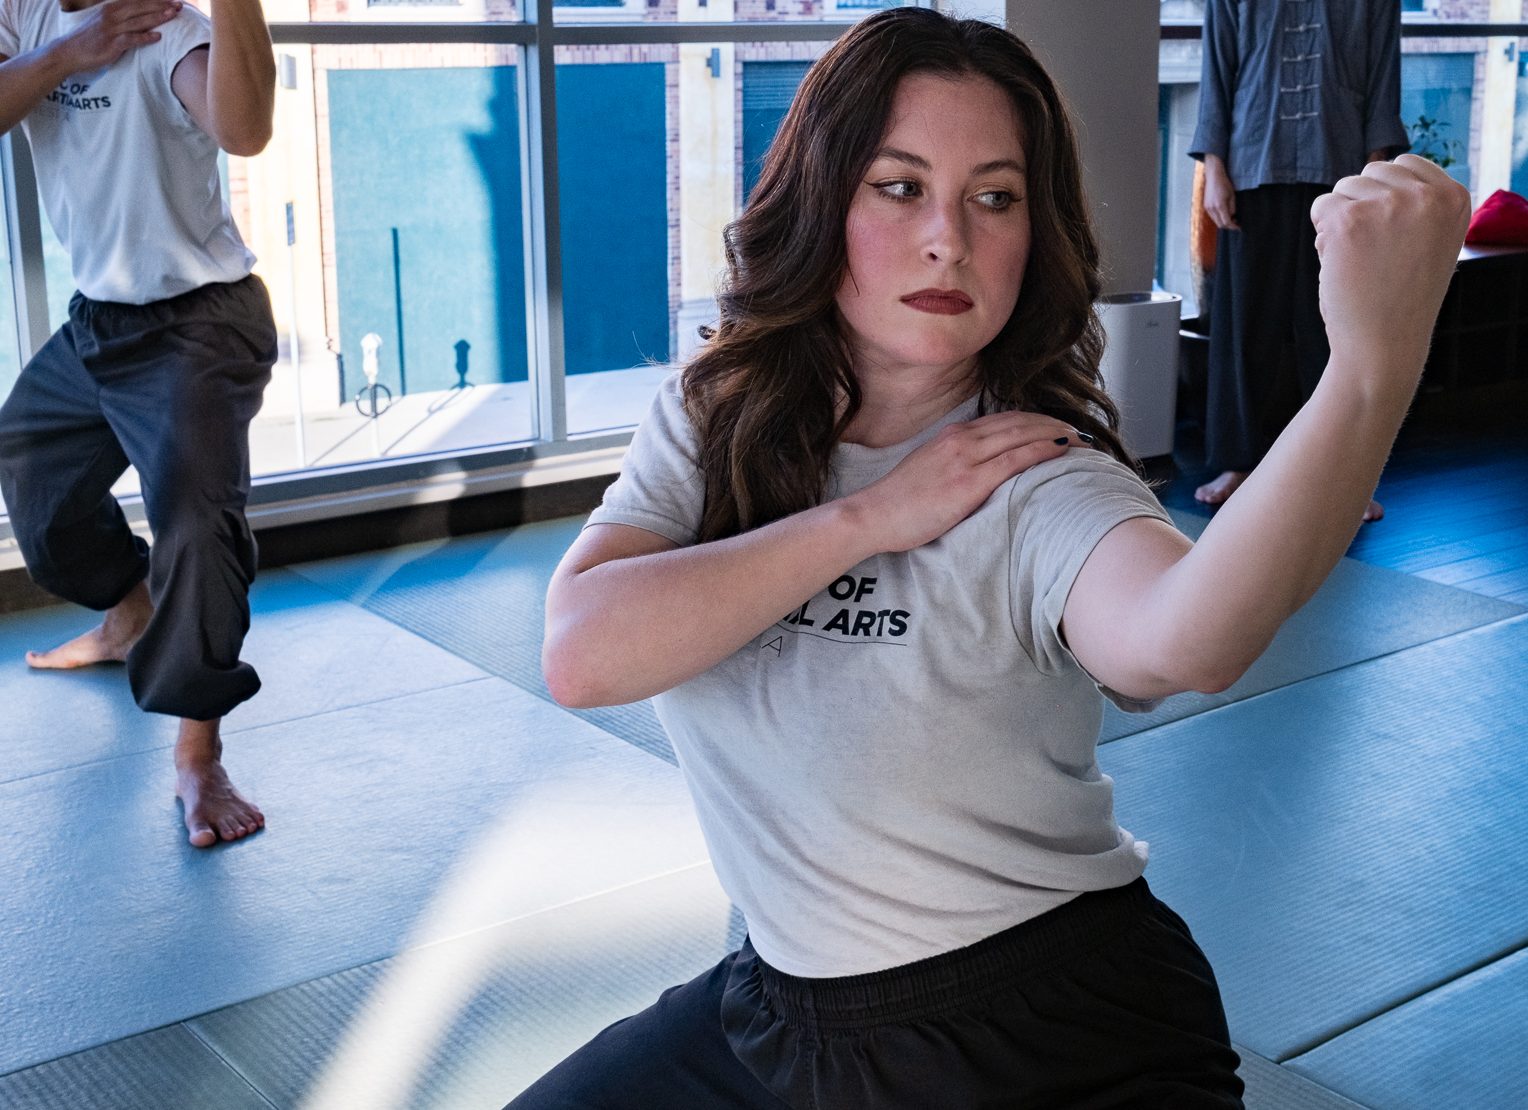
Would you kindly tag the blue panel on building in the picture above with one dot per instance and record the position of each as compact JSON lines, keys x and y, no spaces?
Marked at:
{"x":767,"y":91}
{"x":428,"y":224}
{"x":613,"y":178}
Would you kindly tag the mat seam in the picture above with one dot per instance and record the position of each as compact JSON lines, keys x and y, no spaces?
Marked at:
{"x":1340,"y":1101}
{"x":1431,"y":988}
{"x":670,"y":873}
{"x":454,"y":937}
{"x":252,"y":728}
{"x":540,"y":693}
{"x":228,"y":1064}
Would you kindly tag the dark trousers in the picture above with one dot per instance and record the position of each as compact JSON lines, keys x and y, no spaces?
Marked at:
{"x":169,"y":387}
{"x":1103,"y":1002}
{"x":1268,"y":343}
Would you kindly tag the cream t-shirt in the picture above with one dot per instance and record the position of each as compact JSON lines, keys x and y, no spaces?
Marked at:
{"x":906,"y":764}
{"x":128,"y":179}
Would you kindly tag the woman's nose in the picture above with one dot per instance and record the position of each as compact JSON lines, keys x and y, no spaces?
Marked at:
{"x":947,"y":236}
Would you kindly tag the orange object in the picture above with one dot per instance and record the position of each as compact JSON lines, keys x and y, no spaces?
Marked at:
{"x":1201,"y":243}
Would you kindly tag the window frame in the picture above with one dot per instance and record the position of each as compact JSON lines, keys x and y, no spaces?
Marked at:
{"x":553,"y":454}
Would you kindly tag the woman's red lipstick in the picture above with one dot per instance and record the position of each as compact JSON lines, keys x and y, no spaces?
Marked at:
{"x":941,"y":302}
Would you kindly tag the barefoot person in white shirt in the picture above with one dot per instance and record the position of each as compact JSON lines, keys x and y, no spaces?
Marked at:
{"x":875,"y":585}
{"x":162,"y":362}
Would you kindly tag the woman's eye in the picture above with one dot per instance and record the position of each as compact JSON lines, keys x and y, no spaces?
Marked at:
{"x":897,"y":190}
{"x":996,"y":199}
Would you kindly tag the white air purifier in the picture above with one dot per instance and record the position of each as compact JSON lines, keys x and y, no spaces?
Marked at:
{"x":1140,"y":367}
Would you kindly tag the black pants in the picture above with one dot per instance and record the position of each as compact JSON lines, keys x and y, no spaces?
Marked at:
{"x":1268,"y":342}
{"x":169,"y":387}
{"x":1103,"y":1002}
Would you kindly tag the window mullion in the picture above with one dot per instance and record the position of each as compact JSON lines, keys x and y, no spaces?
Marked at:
{"x":29,"y":282}
{"x":543,"y":243}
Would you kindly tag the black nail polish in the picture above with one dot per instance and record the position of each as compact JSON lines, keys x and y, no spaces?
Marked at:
{"x":1085,"y":437}
{"x":1061,"y":441}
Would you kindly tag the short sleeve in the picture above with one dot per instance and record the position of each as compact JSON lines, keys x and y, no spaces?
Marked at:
{"x":10,"y":29}
{"x":660,"y":488}
{"x":1057,"y":513}
{"x":178,"y":37}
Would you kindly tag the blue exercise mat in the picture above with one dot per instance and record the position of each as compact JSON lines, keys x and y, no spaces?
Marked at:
{"x":474,"y":1020}
{"x":113,"y":925}
{"x":314,"y":652}
{"x":483,"y":598}
{"x":1464,"y":1044}
{"x":1345,"y":843}
{"x":167,"y":1069}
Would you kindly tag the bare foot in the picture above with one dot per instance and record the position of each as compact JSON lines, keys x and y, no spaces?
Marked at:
{"x":1218,"y":491}
{"x":110,"y":643}
{"x":1375,"y":511}
{"x":214,"y":810}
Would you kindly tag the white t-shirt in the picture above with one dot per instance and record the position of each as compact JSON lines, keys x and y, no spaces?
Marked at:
{"x":128,"y":179}
{"x":906,"y":765}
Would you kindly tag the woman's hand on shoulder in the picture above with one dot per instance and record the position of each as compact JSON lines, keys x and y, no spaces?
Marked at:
{"x":948,"y":478}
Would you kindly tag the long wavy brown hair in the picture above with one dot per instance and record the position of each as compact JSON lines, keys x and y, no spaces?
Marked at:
{"x":772,"y":391}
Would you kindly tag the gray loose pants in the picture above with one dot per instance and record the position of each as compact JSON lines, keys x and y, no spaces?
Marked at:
{"x":169,"y":387}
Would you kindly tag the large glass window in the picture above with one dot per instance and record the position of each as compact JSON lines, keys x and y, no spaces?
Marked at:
{"x":60,"y":278}
{"x":616,"y":110}
{"x":393,"y":11}
{"x":657,"y":149}
{"x":407,"y":241}
{"x":1437,"y":101}
{"x":399,"y":270}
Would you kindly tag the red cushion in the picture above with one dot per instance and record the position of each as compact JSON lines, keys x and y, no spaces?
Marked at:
{"x":1502,"y":219}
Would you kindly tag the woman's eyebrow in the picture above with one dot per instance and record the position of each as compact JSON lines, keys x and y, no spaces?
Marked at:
{"x":914,"y":160}
{"x":917,"y":161}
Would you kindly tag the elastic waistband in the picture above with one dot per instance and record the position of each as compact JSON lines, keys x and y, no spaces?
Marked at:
{"x":83,"y":309}
{"x":920,"y":990}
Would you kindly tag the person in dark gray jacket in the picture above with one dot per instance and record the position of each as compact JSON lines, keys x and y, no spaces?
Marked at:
{"x":1295,"y":95}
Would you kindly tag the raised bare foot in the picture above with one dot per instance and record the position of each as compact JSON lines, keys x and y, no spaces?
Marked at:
{"x":109,"y":643}
{"x":1218,"y":491}
{"x":1375,"y":511}
{"x":214,"y":810}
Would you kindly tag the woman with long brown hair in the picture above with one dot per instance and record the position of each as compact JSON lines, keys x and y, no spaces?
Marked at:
{"x":866,"y":562}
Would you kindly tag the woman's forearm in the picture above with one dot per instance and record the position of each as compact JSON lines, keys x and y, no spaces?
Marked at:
{"x":628,"y":628}
{"x":1388,"y":241}
{"x":625,"y":622}
{"x":1270,"y":547}
{"x":1147,"y":615}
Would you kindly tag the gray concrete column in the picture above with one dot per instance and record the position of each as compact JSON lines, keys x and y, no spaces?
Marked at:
{"x":1103,"y":54}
